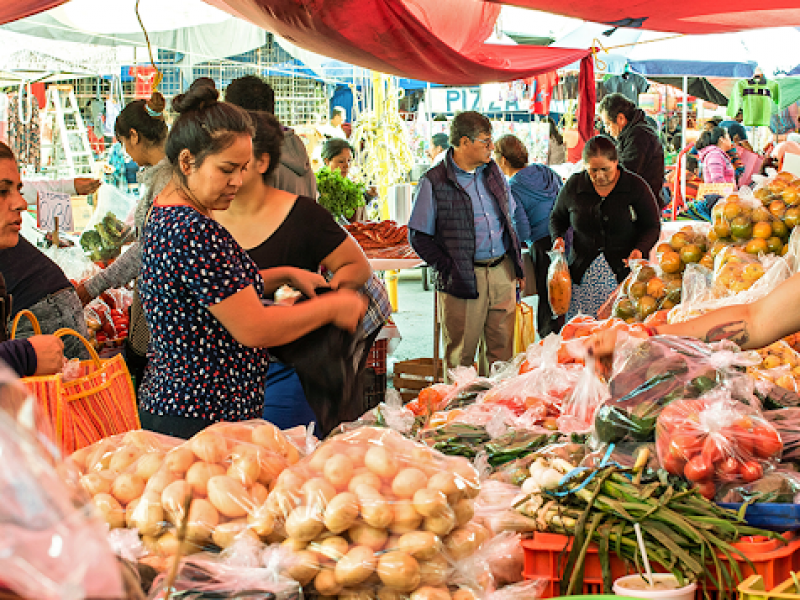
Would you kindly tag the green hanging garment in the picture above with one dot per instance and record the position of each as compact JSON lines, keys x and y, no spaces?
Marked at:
{"x":758,"y":98}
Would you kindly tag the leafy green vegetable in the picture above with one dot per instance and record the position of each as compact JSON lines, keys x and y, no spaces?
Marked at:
{"x":340,"y":196}
{"x":105,"y":241}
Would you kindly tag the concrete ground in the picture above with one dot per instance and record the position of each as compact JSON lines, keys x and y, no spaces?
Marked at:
{"x":414,"y":319}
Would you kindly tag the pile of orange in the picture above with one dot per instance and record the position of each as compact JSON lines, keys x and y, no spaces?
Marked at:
{"x":764,"y":228}
{"x":646,"y":291}
{"x":780,"y":364}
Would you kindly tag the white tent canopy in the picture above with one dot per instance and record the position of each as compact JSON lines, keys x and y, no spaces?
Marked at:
{"x":191,"y":27}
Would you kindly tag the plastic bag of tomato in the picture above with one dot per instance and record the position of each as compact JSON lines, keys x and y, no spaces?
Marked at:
{"x":715,"y":440}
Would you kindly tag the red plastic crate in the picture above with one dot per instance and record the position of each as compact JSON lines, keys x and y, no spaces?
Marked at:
{"x":546,"y":555}
{"x":377,"y":356}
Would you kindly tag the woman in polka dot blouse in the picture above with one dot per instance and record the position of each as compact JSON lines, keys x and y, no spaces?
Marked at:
{"x":201,"y":292}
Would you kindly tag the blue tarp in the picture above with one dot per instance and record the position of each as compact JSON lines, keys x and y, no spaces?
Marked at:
{"x":696,"y":68}
{"x":335,"y":71}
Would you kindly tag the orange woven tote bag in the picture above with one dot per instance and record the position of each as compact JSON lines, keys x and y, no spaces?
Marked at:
{"x":99,"y":403}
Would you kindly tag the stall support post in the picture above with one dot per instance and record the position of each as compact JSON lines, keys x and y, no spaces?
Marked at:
{"x":684,"y":120}
{"x":380,"y":84}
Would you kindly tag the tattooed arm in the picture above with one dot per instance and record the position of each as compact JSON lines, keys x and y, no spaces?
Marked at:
{"x":749,"y":325}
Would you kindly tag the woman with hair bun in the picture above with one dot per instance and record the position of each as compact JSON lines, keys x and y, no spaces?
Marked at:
{"x":143,"y":132}
{"x":200,"y":290}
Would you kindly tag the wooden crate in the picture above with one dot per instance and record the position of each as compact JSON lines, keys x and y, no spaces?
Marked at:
{"x":410,"y":376}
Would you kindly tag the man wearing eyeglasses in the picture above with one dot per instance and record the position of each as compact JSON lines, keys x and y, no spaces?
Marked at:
{"x":466,"y":225}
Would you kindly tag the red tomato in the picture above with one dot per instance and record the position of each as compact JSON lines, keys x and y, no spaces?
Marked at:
{"x":728,"y":468}
{"x":715,"y":448}
{"x":766,"y":442}
{"x":685,"y":446}
{"x":524,"y":367}
{"x":707,"y":489}
{"x":673,"y":465}
{"x":108,"y":329}
{"x":752,"y":471}
{"x":698,"y":469}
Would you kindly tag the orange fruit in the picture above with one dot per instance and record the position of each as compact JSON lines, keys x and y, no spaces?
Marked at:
{"x":756,"y":246}
{"x":670,"y":262}
{"x":761,"y":213}
{"x":752,"y":272}
{"x":663,"y":247}
{"x":679,"y":240}
{"x":741,"y":228}
{"x":655,"y":288}
{"x":785,"y":250}
{"x":722,"y":228}
{"x":637,"y":290}
{"x":716,"y":248}
{"x":763,"y":195}
{"x":731,"y":210}
{"x":646,"y":273}
{"x":777,"y":185}
{"x":784,"y":176}
{"x":647,"y":305}
{"x":707,"y":261}
{"x":779,"y":229}
{"x":712,"y":235}
{"x":791,"y":195}
{"x":791,"y":217}
{"x":774,"y":245}
{"x":673,"y":290}
{"x":777,"y":208}
{"x":691,"y":254}
{"x":624,"y":309}
{"x":762,"y":230}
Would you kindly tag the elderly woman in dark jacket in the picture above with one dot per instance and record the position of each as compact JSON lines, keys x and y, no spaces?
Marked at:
{"x":614,"y":217}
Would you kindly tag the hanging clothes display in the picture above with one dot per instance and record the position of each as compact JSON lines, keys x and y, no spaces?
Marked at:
{"x":23,"y":128}
{"x":143,"y":76}
{"x":757,"y":97}
{"x":542,"y":92}
{"x":629,"y":85}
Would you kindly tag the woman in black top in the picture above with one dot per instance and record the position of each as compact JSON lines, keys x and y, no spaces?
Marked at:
{"x":292,"y":236}
{"x":614,"y":218}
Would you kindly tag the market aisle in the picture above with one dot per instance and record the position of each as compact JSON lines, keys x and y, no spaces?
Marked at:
{"x":415,"y":318}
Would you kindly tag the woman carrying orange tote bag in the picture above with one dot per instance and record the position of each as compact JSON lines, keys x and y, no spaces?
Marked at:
{"x":95,"y":404}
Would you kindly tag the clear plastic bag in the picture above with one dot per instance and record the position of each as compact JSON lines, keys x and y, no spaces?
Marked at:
{"x":367,"y":491}
{"x":715,"y":439}
{"x":559,"y":283}
{"x":145,"y":480}
{"x":53,"y":547}
{"x":208,"y":577}
{"x":539,"y":391}
{"x":701,"y":299}
{"x":786,"y":422}
{"x":75,"y":264}
{"x":778,"y":487}
{"x":743,"y":218}
{"x":645,"y":291}
{"x":656,"y":372}
{"x":589,"y":394}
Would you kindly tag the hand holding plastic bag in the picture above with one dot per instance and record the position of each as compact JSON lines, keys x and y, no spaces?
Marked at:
{"x":559,"y":281}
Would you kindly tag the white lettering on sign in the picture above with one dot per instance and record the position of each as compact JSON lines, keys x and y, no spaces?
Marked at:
{"x":455,"y":100}
{"x":52,"y":205}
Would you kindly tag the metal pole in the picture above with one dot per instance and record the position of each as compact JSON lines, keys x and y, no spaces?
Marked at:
{"x":684,"y":121}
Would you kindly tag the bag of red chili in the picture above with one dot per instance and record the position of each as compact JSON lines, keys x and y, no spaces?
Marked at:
{"x":715,"y":439}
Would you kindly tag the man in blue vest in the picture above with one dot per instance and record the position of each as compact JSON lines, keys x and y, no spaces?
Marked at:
{"x":463,"y":225}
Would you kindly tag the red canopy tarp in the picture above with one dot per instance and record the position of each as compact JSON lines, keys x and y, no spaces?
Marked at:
{"x":680,"y":16}
{"x":11,"y":10}
{"x":440,"y":41}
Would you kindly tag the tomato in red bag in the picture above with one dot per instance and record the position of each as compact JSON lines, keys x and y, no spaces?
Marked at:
{"x":698,"y":469}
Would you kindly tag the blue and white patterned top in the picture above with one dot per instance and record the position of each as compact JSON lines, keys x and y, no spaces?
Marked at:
{"x":196,"y":368}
